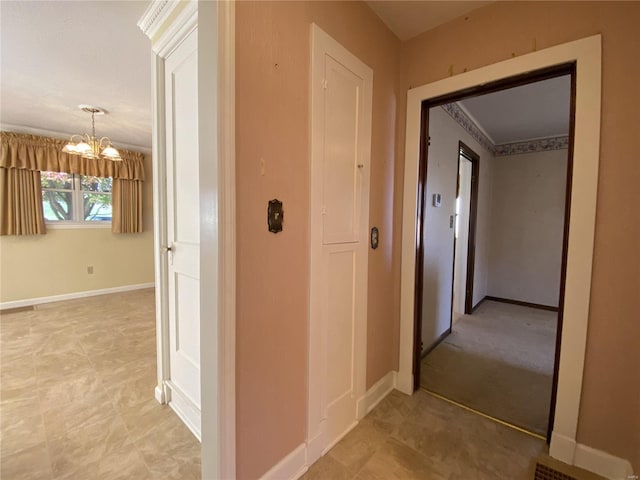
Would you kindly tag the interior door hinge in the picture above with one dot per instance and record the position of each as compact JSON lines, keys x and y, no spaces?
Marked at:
{"x":325,"y":84}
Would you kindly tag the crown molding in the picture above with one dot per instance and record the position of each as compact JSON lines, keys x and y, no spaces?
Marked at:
{"x":168,"y":22}
{"x":467,"y":123}
{"x":535,"y":145}
{"x":473,"y":128}
{"x":155,"y":15}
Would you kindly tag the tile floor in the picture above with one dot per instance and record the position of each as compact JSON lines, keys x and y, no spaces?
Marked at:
{"x":76,"y":394}
{"x":76,"y":402}
{"x":423,"y":437}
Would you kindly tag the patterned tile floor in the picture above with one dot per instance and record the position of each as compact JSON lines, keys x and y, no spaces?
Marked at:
{"x":76,"y":394}
{"x":422,"y":437}
{"x":76,"y":402}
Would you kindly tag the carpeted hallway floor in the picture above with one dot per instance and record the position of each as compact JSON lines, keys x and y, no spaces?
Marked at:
{"x":498,"y":361}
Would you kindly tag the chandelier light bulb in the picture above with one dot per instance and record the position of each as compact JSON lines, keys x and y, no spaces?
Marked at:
{"x":88,"y":146}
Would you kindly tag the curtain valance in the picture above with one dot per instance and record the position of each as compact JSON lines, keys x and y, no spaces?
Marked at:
{"x":36,"y":153}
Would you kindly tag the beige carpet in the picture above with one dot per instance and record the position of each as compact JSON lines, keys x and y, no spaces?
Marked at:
{"x":498,"y":361}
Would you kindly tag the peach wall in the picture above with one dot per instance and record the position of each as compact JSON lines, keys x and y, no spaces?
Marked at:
{"x":272,"y":121}
{"x":610,"y":407}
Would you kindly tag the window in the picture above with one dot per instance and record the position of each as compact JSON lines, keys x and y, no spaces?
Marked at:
{"x":73,"y":198}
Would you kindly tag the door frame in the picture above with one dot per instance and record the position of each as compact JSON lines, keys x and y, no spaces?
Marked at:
{"x":474,"y":158}
{"x":317,"y":443}
{"x":167,"y":24}
{"x":587,"y":55}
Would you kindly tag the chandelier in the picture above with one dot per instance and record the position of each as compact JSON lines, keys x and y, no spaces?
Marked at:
{"x":88,"y":146}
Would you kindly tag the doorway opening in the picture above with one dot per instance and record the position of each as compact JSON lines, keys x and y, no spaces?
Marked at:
{"x":464,"y":245}
{"x":496,"y":359}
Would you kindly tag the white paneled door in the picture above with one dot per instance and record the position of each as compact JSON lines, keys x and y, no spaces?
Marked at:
{"x":183,"y":231}
{"x":340,"y":165}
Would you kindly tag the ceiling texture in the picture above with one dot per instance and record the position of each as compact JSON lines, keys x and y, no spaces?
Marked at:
{"x":533,"y":111}
{"x":56,"y":55}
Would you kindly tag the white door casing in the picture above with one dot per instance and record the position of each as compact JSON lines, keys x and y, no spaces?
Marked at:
{"x":183,"y":230}
{"x":341,"y":102}
{"x":168,"y":24}
{"x":587,"y":55}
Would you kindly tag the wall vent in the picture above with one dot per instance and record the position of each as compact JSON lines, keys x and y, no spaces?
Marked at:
{"x":547,"y":468}
{"x":547,"y":473}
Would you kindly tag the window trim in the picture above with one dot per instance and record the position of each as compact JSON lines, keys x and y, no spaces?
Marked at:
{"x":77,"y":194}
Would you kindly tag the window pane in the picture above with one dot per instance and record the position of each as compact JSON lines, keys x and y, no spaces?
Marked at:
{"x":97,"y":206}
{"x":57,"y":206}
{"x":96,"y":184}
{"x":56,"y":180}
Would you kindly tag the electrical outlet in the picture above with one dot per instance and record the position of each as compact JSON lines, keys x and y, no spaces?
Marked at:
{"x":90,"y":269}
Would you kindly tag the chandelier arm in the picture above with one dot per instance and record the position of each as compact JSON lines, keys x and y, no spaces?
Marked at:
{"x":106,"y":140}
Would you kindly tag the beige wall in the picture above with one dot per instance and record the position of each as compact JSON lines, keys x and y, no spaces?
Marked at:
{"x":442,"y":177}
{"x":56,"y":263}
{"x":272,"y":122}
{"x":610,"y":408}
{"x":527,"y":226}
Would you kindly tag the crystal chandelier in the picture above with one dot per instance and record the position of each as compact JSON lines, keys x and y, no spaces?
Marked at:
{"x":88,"y":146}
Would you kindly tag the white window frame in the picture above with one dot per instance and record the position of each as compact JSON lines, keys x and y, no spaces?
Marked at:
{"x":76,"y":200}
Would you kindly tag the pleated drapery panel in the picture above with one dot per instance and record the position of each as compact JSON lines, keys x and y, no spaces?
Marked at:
{"x":21,"y":210}
{"x":127,"y":206}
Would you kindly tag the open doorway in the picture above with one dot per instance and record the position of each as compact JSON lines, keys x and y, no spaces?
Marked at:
{"x":489,"y":323}
{"x":466,"y":210}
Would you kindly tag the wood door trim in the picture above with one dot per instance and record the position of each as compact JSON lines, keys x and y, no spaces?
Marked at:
{"x":565,"y":251}
{"x":422,"y":189}
{"x":474,"y":158}
{"x":518,"y":80}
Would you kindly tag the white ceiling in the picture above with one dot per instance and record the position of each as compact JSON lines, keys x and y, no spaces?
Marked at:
{"x":56,"y":55}
{"x":536,"y":110}
{"x":410,"y":18}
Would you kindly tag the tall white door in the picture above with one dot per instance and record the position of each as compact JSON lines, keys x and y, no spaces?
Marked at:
{"x":183,"y":231}
{"x":341,"y":136}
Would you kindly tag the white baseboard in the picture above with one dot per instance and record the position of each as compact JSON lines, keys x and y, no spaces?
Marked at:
{"x":404,"y":383}
{"x":567,"y":450}
{"x":159,"y":394}
{"x":291,"y":467}
{"x":315,"y":447}
{"x":602,"y":463}
{"x":376,"y":394}
{"x":184,"y":407}
{"x":296,"y":463}
{"x":562,"y":448}
{"x":27,"y":302}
